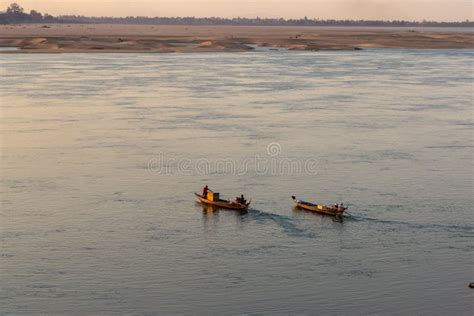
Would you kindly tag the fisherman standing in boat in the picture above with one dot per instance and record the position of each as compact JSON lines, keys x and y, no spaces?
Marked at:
{"x":204,"y":191}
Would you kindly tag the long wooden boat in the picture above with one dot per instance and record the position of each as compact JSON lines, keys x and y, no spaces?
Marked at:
{"x":223,"y":203}
{"x":337,"y":211}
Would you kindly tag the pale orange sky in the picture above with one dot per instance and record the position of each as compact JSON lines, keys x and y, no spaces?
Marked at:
{"x":439,"y":10}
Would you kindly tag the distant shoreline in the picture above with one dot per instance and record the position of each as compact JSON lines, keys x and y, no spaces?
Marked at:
{"x":15,"y":14}
{"x":104,"y":38}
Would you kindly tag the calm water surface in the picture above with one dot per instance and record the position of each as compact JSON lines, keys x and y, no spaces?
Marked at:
{"x":97,"y":208}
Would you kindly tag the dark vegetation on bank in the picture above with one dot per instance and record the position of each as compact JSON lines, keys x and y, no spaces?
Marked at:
{"x":15,"y":14}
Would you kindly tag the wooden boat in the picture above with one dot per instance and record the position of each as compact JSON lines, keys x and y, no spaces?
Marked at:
{"x":215,"y":200}
{"x":337,"y":211}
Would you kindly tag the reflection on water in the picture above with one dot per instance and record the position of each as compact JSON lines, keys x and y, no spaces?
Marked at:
{"x":212,"y":209}
{"x":88,"y":228}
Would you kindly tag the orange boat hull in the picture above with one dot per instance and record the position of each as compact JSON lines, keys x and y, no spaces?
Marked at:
{"x":223,"y":203}
{"x":322,"y":209}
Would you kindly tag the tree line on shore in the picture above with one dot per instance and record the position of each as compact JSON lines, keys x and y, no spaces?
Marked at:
{"x":15,"y":14}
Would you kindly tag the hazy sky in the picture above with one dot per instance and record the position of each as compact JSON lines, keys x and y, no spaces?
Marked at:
{"x":445,"y":10}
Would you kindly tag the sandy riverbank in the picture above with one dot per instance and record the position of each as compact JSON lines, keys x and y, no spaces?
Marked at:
{"x":64,"y":38}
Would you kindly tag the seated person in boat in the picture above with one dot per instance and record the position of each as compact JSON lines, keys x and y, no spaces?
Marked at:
{"x":204,"y":191}
{"x":241,"y":199}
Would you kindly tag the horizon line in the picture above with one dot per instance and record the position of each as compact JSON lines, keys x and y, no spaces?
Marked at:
{"x":260,"y":17}
{"x":305,"y":18}
{"x":253,"y":17}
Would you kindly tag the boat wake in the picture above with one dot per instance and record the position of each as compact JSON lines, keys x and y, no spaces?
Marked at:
{"x":285,"y":222}
{"x":466,"y":229}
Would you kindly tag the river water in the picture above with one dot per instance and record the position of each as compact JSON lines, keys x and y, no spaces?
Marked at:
{"x":101,"y":154}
